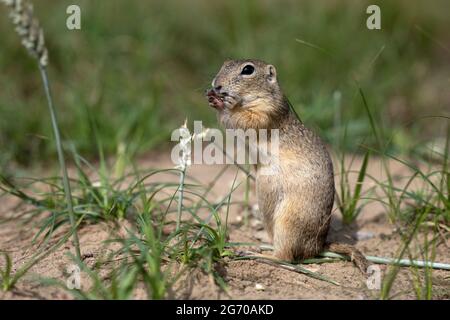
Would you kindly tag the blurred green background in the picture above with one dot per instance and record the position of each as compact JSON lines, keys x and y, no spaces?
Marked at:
{"x":138,"y":68}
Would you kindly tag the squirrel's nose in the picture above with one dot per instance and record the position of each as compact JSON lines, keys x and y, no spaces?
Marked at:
{"x":216,"y":90}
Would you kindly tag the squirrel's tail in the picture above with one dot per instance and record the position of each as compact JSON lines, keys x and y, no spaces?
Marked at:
{"x":355,"y":255}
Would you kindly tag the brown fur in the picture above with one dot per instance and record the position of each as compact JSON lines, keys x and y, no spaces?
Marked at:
{"x":355,"y":255}
{"x":296,"y":202}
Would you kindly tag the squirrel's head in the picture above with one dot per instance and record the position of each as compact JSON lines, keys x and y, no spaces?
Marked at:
{"x":246,"y":84}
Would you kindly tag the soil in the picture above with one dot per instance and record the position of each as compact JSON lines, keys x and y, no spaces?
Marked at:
{"x":372,"y":233}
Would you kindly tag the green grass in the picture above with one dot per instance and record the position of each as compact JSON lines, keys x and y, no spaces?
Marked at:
{"x":139,"y":73}
{"x":149,"y":257}
{"x":347,"y":200}
{"x":126,"y":80}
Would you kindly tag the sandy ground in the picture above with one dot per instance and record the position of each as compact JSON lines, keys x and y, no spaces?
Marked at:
{"x":372,"y":233}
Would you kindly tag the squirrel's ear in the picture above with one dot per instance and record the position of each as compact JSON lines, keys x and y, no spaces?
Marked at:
{"x":271,"y":73}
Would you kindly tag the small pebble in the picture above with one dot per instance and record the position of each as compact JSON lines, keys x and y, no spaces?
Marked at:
{"x":255,"y":210}
{"x":97,"y":184}
{"x":364,"y":235}
{"x":256,"y":224}
{"x":259,"y":287}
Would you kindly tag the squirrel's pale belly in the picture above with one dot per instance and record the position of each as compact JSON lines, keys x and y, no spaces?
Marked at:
{"x":291,"y":188}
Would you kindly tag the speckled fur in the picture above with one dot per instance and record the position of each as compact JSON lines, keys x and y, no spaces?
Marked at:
{"x":297,"y":200}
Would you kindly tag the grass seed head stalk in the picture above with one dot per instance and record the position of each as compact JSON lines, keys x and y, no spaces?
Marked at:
{"x":28,"y":28}
{"x":32,"y":36}
{"x":185,"y":161}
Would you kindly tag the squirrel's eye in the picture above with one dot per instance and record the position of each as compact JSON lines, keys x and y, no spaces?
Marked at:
{"x":248,"y":69}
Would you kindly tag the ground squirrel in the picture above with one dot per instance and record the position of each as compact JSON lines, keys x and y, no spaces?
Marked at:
{"x":296,"y":202}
